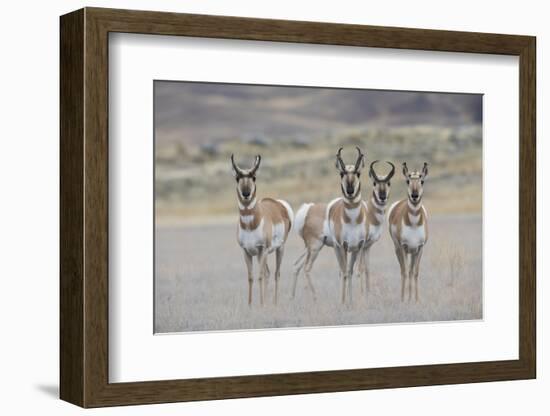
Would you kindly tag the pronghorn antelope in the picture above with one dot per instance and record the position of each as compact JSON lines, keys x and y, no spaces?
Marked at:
{"x":263,"y":227}
{"x":313,"y":220}
{"x":408,"y":225}
{"x":376,"y":207}
{"x":347,"y":218}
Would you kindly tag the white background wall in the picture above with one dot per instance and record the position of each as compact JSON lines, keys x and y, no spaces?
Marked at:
{"x":29,"y":159}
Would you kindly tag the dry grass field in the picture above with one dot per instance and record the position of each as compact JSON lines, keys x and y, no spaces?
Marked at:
{"x":202,"y":286}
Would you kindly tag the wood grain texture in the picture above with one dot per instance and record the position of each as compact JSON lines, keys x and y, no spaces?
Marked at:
{"x":84,"y":207}
{"x":527,"y":208}
{"x":71,"y":208}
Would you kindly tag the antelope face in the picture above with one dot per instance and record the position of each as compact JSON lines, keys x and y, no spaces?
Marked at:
{"x":415,"y":182}
{"x":350,"y":175}
{"x":381,"y":185}
{"x":246,"y":181}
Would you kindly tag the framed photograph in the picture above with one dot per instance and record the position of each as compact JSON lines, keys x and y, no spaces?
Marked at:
{"x":256,"y":207}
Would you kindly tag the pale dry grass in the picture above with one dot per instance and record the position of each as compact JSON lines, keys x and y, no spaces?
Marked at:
{"x":201,"y":282}
{"x":450,"y":258}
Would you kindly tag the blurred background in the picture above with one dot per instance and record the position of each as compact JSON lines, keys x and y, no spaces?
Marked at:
{"x":298,"y":130}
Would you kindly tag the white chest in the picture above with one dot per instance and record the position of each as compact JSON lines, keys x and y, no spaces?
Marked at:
{"x":353,"y":235}
{"x":413,"y":236}
{"x":375,"y":231}
{"x":252,"y":240}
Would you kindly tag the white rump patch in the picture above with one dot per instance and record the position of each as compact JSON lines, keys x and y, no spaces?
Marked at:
{"x":278,"y":236}
{"x":289,"y":211}
{"x":301,"y":218}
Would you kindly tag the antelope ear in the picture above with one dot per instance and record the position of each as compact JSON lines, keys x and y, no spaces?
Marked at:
{"x":405,"y":170}
{"x":425,"y":170}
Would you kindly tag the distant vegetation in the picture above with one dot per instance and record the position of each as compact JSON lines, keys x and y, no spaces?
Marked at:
{"x":195,"y":181}
{"x":298,"y":131}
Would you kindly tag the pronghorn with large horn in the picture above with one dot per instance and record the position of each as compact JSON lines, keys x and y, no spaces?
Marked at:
{"x":347,"y":218}
{"x":263,"y":227}
{"x":408,"y":225}
{"x":376,"y":207}
{"x":313,"y":220}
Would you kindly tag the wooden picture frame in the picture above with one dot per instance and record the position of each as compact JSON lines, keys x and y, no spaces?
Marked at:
{"x":84,"y":207}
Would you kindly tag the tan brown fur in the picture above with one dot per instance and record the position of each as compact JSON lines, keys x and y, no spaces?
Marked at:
{"x":314,"y":223}
{"x":315,"y":230}
{"x":337,"y":214}
{"x":408,"y":226}
{"x":372,"y":210}
{"x":258,"y":221}
{"x":375,"y":209}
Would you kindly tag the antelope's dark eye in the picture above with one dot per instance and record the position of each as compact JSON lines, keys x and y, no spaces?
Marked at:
{"x":358,"y":175}
{"x":341,"y":175}
{"x":254,"y":179}
{"x":389,"y":184}
{"x":408,"y":182}
{"x":422,"y":182}
{"x":374,"y":183}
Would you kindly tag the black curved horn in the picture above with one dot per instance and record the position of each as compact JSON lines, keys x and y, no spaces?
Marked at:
{"x":339,"y":162}
{"x":360,"y":160}
{"x":392,"y":171}
{"x":372,"y":172}
{"x":256,"y":165}
{"x":237,"y":169}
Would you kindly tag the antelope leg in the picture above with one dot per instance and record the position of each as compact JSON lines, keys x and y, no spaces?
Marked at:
{"x":309,"y":265}
{"x":400,"y":253}
{"x":416,"y":270}
{"x":262,"y":259}
{"x":351,"y":264}
{"x":298,"y":265}
{"x":249,"y":267}
{"x":366,"y":265}
{"x":341,"y":257}
{"x":278,"y":259}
